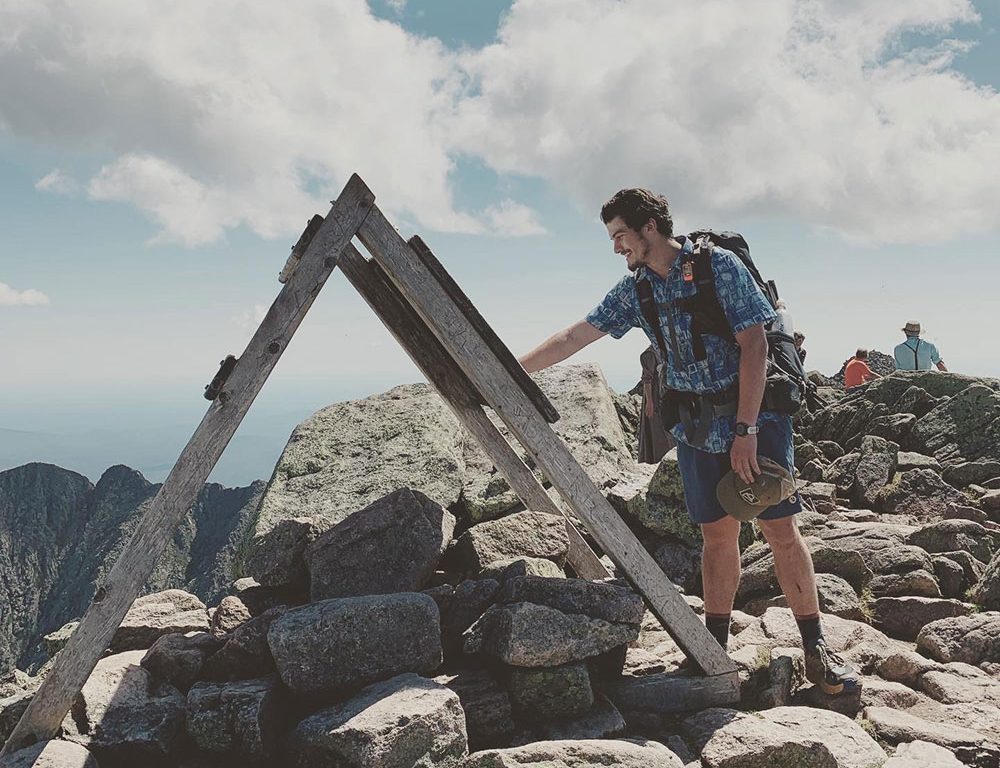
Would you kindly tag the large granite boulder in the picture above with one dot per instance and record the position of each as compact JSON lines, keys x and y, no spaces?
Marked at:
{"x":972,"y":639}
{"x":963,"y":429}
{"x":344,"y":643}
{"x":585,"y":753}
{"x":920,"y":493}
{"x":404,"y":721}
{"x":124,"y":714}
{"x":162,"y":613}
{"x":366,"y":555}
{"x":241,"y":721}
{"x":522,"y":534}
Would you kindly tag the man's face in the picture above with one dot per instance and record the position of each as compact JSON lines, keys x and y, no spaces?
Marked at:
{"x":633,"y":245}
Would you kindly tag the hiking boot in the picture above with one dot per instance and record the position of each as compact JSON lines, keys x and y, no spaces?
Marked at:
{"x":830,"y":672}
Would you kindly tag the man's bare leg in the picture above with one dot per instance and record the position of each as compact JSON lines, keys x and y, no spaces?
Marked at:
{"x":793,"y":565}
{"x":720,"y":574}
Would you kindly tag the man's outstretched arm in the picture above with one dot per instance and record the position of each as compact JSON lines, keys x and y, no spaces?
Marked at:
{"x":561,"y":345}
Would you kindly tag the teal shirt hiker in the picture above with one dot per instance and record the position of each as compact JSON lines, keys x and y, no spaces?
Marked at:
{"x":915,"y":354}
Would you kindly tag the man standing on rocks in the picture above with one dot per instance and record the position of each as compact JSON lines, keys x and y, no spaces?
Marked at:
{"x":916,"y":354}
{"x":728,"y":385}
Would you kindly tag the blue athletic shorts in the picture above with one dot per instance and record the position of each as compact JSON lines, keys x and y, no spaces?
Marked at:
{"x":701,"y":472}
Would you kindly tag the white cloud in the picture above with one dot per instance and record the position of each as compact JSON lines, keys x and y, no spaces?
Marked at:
{"x":808,"y":108}
{"x":512,"y":219}
{"x":58,"y":183}
{"x":11,"y":297}
{"x":251,"y":318}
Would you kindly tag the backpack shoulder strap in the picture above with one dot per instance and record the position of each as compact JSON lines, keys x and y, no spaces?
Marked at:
{"x":647,"y":305}
{"x":707,"y":314}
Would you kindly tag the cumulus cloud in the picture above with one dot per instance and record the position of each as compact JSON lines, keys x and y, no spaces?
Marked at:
{"x":808,"y":108}
{"x":58,"y":183}
{"x":11,"y":297}
{"x":250,"y":319}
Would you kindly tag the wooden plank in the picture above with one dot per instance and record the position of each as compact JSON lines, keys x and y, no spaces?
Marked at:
{"x":668,"y":692}
{"x":460,"y":394}
{"x":550,"y":454}
{"x":457,"y":295}
{"x":74,"y":664}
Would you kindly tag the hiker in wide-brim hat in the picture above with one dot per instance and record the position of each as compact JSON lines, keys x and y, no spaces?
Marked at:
{"x":916,"y":354}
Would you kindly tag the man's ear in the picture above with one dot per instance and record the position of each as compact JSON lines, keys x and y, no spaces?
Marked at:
{"x":649,"y":227}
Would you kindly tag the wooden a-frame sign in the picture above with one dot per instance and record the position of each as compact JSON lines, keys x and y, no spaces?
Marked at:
{"x":469,"y":367}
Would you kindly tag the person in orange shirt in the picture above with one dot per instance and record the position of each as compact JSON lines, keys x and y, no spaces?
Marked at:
{"x":857,"y":371}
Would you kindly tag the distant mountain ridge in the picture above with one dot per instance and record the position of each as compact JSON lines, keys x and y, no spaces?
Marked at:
{"x":59,"y":534}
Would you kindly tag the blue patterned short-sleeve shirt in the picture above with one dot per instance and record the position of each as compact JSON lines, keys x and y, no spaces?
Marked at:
{"x":740,"y":298}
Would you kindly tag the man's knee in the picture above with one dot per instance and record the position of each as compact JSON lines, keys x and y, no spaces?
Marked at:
{"x":783,"y":532}
{"x":722,"y":532}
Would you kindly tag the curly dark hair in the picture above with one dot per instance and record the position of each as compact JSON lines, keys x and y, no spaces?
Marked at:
{"x":636,"y":207}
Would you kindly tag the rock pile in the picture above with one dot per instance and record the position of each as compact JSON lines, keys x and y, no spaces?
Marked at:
{"x":435,"y":623}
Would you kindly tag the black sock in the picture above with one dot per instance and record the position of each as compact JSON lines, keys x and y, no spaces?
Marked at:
{"x":810,"y":629}
{"x":718,"y":625}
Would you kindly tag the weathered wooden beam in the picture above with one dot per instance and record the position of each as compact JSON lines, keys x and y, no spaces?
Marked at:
{"x":45,"y":713}
{"x":461,"y":395}
{"x":668,"y":692}
{"x":550,"y":454}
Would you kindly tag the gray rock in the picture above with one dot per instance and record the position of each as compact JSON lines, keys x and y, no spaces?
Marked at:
{"x":241,"y":720}
{"x":904,"y":617}
{"x":896,"y":727}
{"x":122,"y":713}
{"x":922,"y":754}
{"x":56,"y":641}
{"x":550,"y":692}
{"x":963,"y":429}
{"x":365,"y":555}
{"x":971,"y":472}
{"x":958,"y":683}
{"x":585,"y":753}
{"x":460,"y":607}
{"x":531,"y":534}
{"x":972,"y":639}
{"x":909,"y":460}
{"x":919,"y":583}
{"x":228,"y":615}
{"x":893,"y":426}
{"x":50,"y":754}
{"x":841,"y":472}
{"x":830,"y":449}
{"x":679,"y":561}
{"x":920,"y":493}
{"x":159,"y":614}
{"x":899,"y":559}
{"x":178,"y":659}
{"x":509,"y":567}
{"x":799,"y":736}
{"x":246,"y":653}
{"x":348,"y":642}
{"x":874,"y":470}
{"x":404,"y":721}
{"x":950,"y":577}
{"x":785,"y":674}
{"x":601,"y":721}
{"x":906,"y":667}
{"x":951,"y":535}
{"x":529,"y":635}
{"x":488,"y":717}
{"x":986,"y":591}
{"x":594,"y":599}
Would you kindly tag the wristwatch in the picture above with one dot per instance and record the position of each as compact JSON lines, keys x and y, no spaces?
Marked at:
{"x":743,"y":429}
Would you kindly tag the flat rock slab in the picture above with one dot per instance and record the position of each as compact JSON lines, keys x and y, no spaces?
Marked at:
{"x":124,"y":713}
{"x":550,"y":692}
{"x":366,"y":555}
{"x":610,"y":602}
{"x":404,"y":721}
{"x":801,"y":736}
{"x":529,"y":635}
{"x":624,"y":753}
{"x":522,"y":534}
{"x":348,"y":642}
{"x":601,"y":721}
{"x":972,"y":639}
{"x":161,"y":613}
{"x":238,"y":720}
{"x":50,"y":754}
{"x":904,"y":617}
{"x":922,"y":754}
{"x":898,"y":727}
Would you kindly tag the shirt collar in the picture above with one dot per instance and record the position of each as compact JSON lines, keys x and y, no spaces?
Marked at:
{"x":687,"y":247}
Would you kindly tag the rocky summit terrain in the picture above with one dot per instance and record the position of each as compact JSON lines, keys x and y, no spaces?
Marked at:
{"x":59,"y":534}
{"x":401,"y":608}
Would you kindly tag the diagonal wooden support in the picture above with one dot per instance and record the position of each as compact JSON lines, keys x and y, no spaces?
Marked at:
{"x":457,"y":334}
{"x":44,"y":715}
{"x":456,"y":390}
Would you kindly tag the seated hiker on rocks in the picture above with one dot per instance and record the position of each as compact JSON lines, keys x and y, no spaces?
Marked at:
{"x":916,"y":354}
{"x":722,"y":459}
{"x":799,"y":338}
{"x":857,"y":371}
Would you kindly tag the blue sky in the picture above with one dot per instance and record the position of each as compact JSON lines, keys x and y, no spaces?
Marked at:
{"x":152,"y":179}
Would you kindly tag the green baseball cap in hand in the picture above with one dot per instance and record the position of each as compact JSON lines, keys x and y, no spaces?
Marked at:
{"x":745,"y":501}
